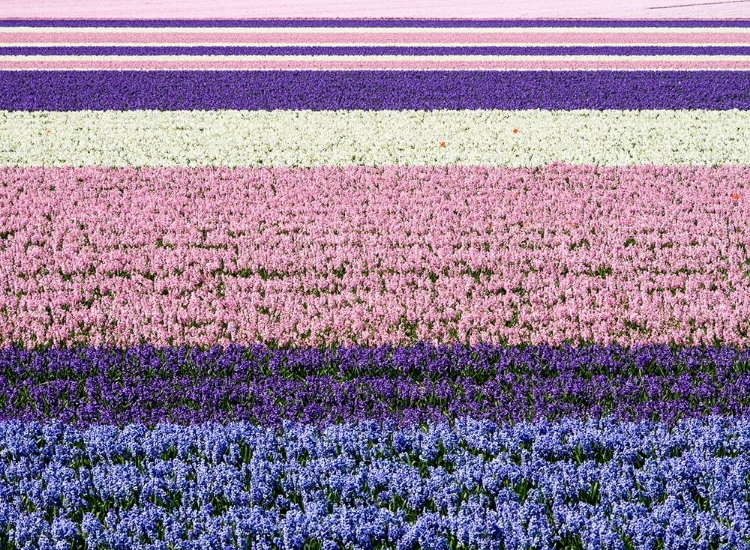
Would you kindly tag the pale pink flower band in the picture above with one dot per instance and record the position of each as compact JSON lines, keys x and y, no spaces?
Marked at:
{"x":372,"y":255}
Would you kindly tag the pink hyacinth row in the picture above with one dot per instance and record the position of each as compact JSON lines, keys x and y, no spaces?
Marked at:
{"x":394,"y":36}
{"x":374,"y":255}
{"x":379,"y":65}
{"x":391,"y":9}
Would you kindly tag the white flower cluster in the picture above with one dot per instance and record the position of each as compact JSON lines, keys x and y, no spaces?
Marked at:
{"x":373,"y":138}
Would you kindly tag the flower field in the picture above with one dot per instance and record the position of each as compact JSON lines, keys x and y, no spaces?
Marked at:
{"x":406,"y":284}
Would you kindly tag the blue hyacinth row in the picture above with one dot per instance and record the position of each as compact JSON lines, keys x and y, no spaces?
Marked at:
{"x":573,"y":484}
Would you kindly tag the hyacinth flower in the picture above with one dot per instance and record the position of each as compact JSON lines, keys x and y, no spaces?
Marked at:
{"x":478,"y":484}
{"x":375,"y":255}
{"x":291,"y":288}
{"x":408,"y":385}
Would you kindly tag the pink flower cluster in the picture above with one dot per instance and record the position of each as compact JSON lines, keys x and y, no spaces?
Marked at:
{"x":374,"y":255}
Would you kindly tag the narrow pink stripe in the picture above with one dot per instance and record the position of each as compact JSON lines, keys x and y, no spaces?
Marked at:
{"x":557,"y":64}
{"x":511,"y":9}
{"x":306,"y":256}
{"x":313,"y":38}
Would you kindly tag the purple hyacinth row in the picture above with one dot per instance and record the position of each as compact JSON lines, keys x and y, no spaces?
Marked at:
{"x":376,"y":23}
{"x":477,"y":485}
{"x":372,"y":90}
{"x":407,"y":385}
{"x":375,"y":50}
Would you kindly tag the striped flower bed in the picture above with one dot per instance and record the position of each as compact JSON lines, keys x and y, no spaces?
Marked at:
{"x":368,"y":284}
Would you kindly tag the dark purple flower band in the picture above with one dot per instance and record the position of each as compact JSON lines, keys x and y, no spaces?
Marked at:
{"x":373,"y":90}
{"x":408,"y":385}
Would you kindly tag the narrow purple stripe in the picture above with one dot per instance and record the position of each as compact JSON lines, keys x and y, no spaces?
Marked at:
{"x":403,"y":23}
{"x":375,"y":50}
{"x":372,"y":90}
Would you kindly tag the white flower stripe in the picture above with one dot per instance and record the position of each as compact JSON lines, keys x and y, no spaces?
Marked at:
{"x":341,"y":138}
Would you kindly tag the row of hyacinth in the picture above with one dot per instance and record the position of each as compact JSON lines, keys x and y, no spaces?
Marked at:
{"x":475,"y":485}
{"x":346,"y":138}
{"x":374,"y":284}
{"x":366,"y":255}
{"x":422,"y":384}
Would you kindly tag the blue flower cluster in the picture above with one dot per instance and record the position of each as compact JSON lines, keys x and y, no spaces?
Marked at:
{"x":475,"y":484}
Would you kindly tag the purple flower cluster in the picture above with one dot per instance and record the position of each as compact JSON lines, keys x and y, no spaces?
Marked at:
{"x":372,"y":90}
{"x":573,"y":484}
{"x":423,"y":383}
